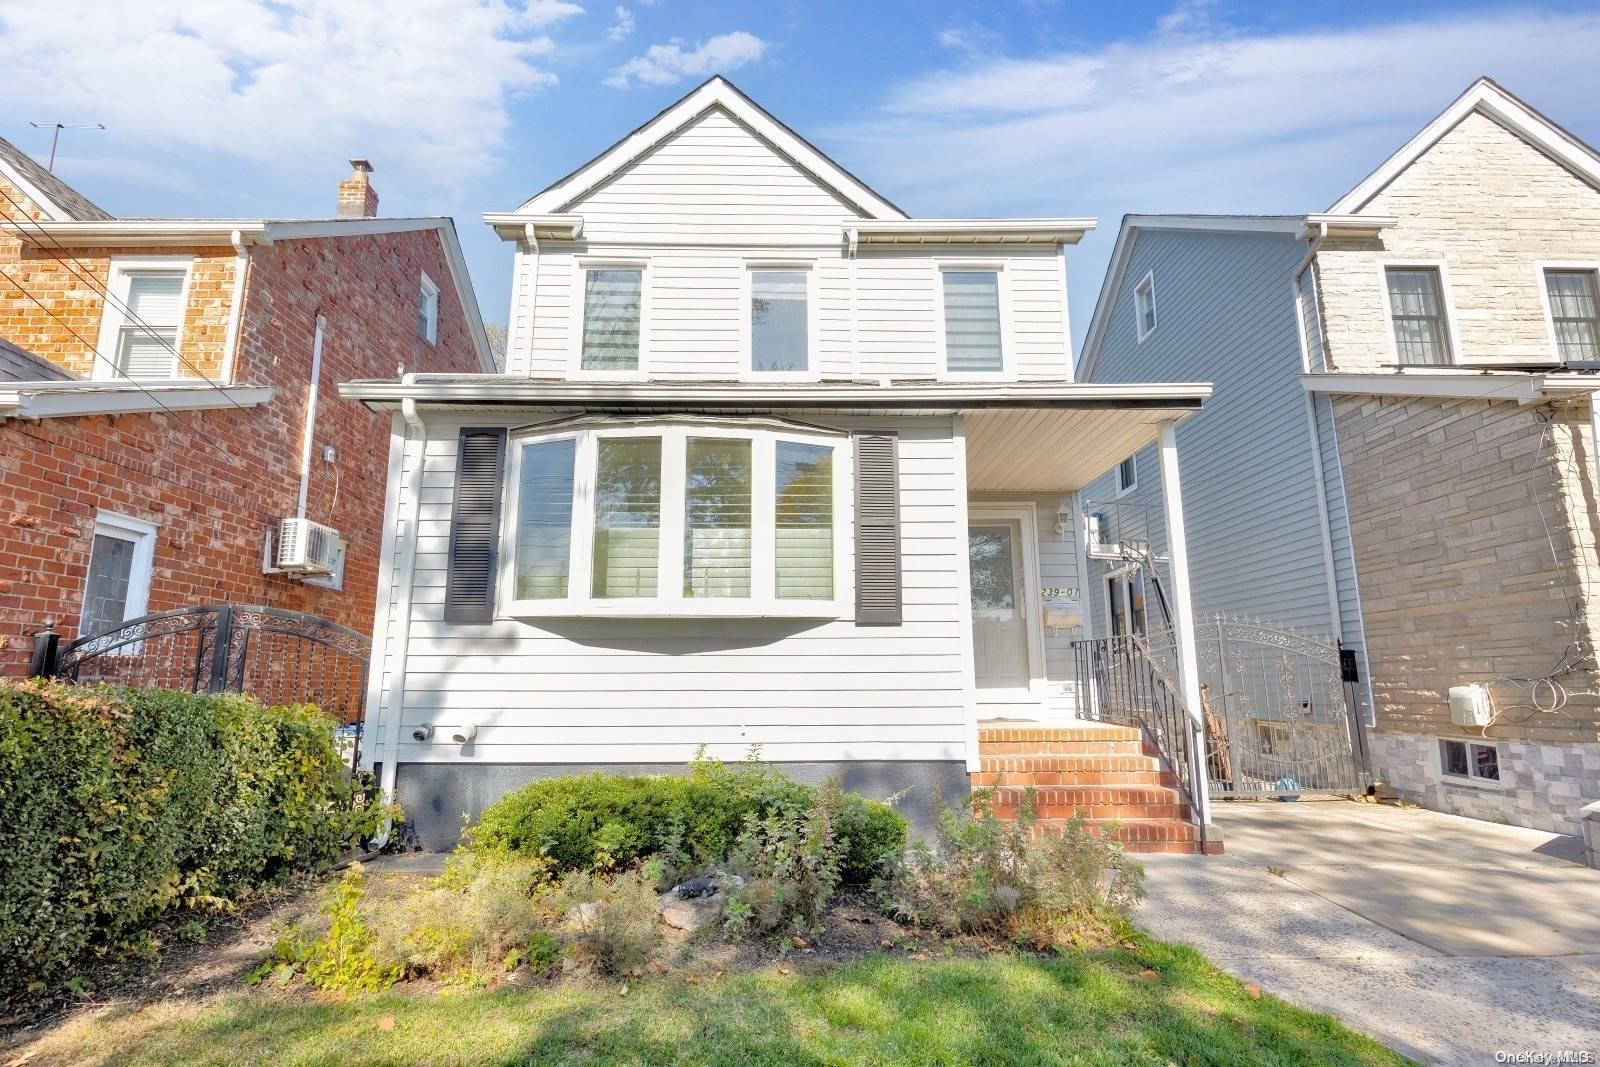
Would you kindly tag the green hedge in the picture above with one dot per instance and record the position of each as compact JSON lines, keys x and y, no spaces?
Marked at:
{"x":119,"y":806}
{"x":608,"y":820}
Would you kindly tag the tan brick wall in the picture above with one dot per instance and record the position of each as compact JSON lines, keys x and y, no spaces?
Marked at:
{"x":214,"y":481}
{"x":1490,"y":206}
{"x":1449,"y":504}
{"x":51,"y":299}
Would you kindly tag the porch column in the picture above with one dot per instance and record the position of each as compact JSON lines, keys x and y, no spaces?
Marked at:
{"x":1183,"y":614}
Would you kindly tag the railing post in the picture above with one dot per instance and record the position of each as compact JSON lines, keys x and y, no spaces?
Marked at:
{"x":46,"y":649}
{"x":1183,"y":607}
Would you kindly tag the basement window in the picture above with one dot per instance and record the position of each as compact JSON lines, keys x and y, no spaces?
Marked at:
{"x":1470,"y":760}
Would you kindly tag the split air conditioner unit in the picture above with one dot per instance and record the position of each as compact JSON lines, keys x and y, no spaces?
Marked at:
{"x":306,"y":547}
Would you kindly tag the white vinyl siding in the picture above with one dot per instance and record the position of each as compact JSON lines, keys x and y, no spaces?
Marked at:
{"x":642,"y":690}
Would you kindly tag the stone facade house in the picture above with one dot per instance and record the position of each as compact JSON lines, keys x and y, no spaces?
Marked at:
{"x":1401,"y":454}
{"x":167,"y":399}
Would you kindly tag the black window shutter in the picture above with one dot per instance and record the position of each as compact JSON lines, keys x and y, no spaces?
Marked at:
{"x":877,"y":529}
{"x":475,"y":525}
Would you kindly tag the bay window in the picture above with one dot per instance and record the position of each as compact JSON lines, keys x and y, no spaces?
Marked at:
{"x":678,"y":519}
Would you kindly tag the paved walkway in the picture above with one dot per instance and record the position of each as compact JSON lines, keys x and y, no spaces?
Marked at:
{"x":1447,"y":939}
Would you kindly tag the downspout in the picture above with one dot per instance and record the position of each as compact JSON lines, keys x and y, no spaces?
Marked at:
{"x":402,"y":603}
{"x":230,"y":342}
{"x":307,"y":435}
{"x":1324,"y":522}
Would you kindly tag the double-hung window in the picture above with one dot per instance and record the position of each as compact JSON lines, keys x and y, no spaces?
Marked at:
{"x":1417,"y":312}
{"x":142,"y":324}
{"x":676,"y":519}
{"x":1128,"y":475}
{"x":428,"y":310}
{"x":117,"y":586}
{"x":780,"y":321}
{"x":1144,"y":306}
{"x":613,"y":303}
{"x":974,"y":341}
{"x":1574,"y":312}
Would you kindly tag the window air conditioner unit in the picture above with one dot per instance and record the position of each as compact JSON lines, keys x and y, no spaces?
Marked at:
{"x":306,"y":547}
{"x":1101,"y":546}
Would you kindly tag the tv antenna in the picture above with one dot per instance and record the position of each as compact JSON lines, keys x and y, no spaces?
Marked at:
{"x":55,"y":138}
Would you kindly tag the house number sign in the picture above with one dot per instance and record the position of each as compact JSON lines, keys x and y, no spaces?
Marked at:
{"x":1070,"y":592}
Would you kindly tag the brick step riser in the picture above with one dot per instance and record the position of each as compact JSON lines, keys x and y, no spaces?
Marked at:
{"x":1059,"y":779}
{"x":1165,"y":835}
{"x":1064,"y":748}
{"x":1099,"y":735}
{"x":1101,"y":812}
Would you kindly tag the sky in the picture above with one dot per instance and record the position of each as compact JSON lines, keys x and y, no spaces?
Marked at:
{"x":961,"y":108}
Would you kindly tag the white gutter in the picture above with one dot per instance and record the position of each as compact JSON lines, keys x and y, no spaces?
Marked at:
{"x":68,"y":399}
{"x":939,"y":396}
{"x":1067,"y":231}
{"x":241,"y":269}
{"x":140,"y":232}
{"x":391,"y":716}
{"x":1522,"y":387}
{"x":512,"y":226}
{"x":309,"y":432}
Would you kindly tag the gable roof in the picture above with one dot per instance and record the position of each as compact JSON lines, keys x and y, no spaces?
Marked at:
{"x":1122,"y":251}
{"x":715,"y":92}
{"x":19,"y":365}
{"x":1487,"y":98}
{"x":49,"y":194}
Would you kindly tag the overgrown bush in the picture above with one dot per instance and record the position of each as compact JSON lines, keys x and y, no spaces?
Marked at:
{"x":337,"y":953}
{"x":481,"y":917}
{"x":610,"y":923}
{"x":121,"y":806}
{"x":790,"y":862}
{"x":609,"y":821}
{"x":984,"y":874}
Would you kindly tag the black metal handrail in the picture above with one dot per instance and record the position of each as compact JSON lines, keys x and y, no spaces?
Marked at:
{"x":1120,"y":682}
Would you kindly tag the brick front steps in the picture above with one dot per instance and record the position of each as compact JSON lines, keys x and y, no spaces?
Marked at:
{"x":1105,"y":772}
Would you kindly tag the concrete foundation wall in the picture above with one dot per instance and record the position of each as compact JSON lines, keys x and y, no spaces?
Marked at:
{"x":440,"y":799}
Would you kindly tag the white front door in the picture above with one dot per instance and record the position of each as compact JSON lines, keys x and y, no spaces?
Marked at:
{"x":1000,"y":639}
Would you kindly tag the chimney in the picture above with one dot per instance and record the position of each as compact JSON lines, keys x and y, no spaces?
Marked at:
{"x":357,"y":198}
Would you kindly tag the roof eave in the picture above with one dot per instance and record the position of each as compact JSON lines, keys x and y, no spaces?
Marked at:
{"x":1065,"y":231}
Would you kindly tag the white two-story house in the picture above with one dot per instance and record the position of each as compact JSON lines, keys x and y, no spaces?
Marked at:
{"x":770,"y":464}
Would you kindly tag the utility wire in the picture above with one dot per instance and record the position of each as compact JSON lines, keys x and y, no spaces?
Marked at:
{"x":96,"y":352}
{"x":84,"y":275}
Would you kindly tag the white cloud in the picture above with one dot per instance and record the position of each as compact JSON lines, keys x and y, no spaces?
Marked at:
{"x":287,"y":84}
{"x":664,"y":64}
{"x":622,"y":28}
{"x":1201,"y":120}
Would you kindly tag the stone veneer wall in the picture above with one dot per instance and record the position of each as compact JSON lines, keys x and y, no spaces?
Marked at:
{"x":1449,"y":506}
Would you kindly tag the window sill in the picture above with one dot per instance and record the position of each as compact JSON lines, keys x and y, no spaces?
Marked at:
{"x":1493,"y":785}
{"x":709,"y":608}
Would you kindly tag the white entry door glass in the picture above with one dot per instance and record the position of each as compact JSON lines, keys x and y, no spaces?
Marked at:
{"x":999,"y":618}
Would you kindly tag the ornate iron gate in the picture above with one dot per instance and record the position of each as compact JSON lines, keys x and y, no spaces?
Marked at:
{"x":1279,"y":716}
{"x":278,"y":656}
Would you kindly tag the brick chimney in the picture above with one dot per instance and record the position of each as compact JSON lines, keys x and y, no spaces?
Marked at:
{"x":357,"y":198}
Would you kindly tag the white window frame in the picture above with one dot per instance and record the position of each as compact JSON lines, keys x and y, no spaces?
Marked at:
{"x":143,"y":535}
{"x":747,"y":371}
{"x":1469,"y":779}
{"x":1008,"y":348}
{"x":429,"y":290}
{"x":1147,"y":284}
{"x":1539,"y":270}
{"x":1447,"y":305}
{"x":669,"y":601}
{"x":112,"y":316}
{"x":1125,"y":575}
{"x":1124,"y":490}
{"x":581,"y":266}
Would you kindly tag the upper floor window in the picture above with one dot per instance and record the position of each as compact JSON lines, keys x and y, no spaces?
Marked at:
{"x":972,"y":327}
{"x":693,"y":520}
{"x":779,"y":321}
{"x":142,"y":323}
{"x":1416,"y":309}
{"x":1127,"y":475}
{"x":1574,"y":313}
{"x":1144,"y":305}
{"x":428,"y":311}
{"x":612,"y":299}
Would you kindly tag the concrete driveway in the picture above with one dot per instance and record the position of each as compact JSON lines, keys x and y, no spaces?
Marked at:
{"x":1447,"y":939}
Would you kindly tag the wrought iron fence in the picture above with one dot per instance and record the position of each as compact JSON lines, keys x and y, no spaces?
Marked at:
{"x":1122,"y":683}
{"x":278,"y":656}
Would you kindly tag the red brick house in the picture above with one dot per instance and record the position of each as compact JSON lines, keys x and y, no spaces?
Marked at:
{"x":167,"y":399}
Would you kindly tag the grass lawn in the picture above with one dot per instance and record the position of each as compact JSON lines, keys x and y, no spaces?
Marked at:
{"x":1101,"y":1007}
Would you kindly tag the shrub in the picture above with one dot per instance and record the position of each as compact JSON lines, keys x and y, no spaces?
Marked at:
{"x":480,"y":918}
{"x":790,"y":863}
{"x":341,"y":959}
{"x":121,"y":806}
{"x":983,"y":874}
{"x":607,"y":821}
{"x":610,"y":924}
